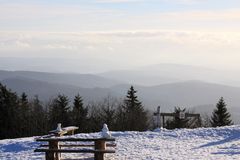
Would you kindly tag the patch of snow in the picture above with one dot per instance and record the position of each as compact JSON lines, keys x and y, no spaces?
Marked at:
{"x":161,"y":144}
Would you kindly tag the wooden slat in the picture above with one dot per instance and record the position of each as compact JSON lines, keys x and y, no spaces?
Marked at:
{"x":167,"y":114}
{"x":70,"y":128}
{"x":78,"y":145}
{"x":74,"y":151}
{"x":192,"y":115}
{"x":75,"y":139}
{"x":174,"y":114}
{"x":71,"y":145}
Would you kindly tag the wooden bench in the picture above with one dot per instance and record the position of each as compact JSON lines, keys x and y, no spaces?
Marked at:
{"x":54,"y":148}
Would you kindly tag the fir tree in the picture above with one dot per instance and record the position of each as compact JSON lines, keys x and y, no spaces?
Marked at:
{"x":108,"y":112}
{"x":120,"y":118}
{"x":95,"y":120}
{"x":38,"y":117}
{"x":25,"y":117}
{"x":9,"y":122}
{"x":220,"y":116}
{"x":59,"y":111}
{"x":24,"y":99}
{"x":135,"y":115}
{"x":79,"y":114}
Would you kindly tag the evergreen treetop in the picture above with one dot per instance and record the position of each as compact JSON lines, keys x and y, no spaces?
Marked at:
{"x":220,"y":115}
{"x":135,"y":115}
{"x":79,"y":114}
{"x":59,"y":111}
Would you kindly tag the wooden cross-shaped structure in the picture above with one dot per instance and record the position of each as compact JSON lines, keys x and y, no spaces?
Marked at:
{"x":159,"y":115}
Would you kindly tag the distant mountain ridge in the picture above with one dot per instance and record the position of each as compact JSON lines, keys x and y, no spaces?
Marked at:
{"x":186,"y":93}
{"x":80,"y":80}
{"x":46,"y":90}
{"x":189,"y":94}
{"x":170,"y":73}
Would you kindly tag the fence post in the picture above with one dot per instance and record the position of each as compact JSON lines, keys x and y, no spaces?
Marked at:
{"x":99,"y":145}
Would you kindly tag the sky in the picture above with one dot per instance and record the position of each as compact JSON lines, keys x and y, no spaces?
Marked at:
{"x":117,"y":34}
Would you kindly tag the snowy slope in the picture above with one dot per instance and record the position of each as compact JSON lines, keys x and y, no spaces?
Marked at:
{"x":180,"y":144}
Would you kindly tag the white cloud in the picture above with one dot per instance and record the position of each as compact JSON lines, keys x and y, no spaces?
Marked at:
{"x":90,"y":40}
{"x":22,"y":44}
{"x":121,"y":47}
{"x":217,"y":15}
{"x":186,"y":1}
{"x":91,"y":18}
{"x":149,"y":1}
{"x":119,"y":35}
{"x":26,"y":12}
{"x":60,"y":46}
{"x":118,"y":1}
{"x":181,"y":37}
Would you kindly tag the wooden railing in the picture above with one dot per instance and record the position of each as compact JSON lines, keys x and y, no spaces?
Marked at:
{"x":54,"y":148}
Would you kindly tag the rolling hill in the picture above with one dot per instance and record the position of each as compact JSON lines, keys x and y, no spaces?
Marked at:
{"x":199,"y":95}
{"x":46,"y":90}
{"x":80,"y":80}
{"x":171,"y":73}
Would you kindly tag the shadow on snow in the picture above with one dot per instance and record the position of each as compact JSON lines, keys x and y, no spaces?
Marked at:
{"x":232,"y":150}
{"x":17,"y":147}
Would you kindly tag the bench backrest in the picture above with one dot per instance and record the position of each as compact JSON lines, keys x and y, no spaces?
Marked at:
{"x":75,"y":139}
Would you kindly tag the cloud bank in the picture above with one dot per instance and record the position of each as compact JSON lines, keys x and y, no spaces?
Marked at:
{"x":120,"y":47}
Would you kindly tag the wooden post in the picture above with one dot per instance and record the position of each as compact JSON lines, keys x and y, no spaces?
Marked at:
{"x":163,"y":121}
{"x":99,"y":145}
{"x":58,"y":155}
{"x":158,"y":116}
{"x":72,"y":132}
{"x":52,"y":155}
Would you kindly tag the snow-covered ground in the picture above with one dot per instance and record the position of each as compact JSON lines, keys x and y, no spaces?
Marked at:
{"x":180,"y":144}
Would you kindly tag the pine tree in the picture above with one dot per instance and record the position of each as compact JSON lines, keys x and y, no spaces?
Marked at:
{"x":79,"y":114}
{"x":9,"y":122}
{"x":38,"y":118}
{"x":95,"y":121}
{"x":108,"y":112}
{"x":58,"y":113}
{"x":220,"y":116}
{"x":24,"y":117}
{"x":135,"y":115}
{"x":120,"y":118}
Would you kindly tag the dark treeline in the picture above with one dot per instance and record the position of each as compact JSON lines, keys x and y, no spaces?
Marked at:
{"x":22,"y":117}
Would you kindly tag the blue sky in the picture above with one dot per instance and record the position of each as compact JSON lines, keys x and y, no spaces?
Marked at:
{"x":138,"y":5}
{"x":45,"y":15}
{"x":195,"y":32}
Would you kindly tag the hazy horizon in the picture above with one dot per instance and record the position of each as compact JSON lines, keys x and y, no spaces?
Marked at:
{"x":122,"y":34}
{"x":60,"y":65}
